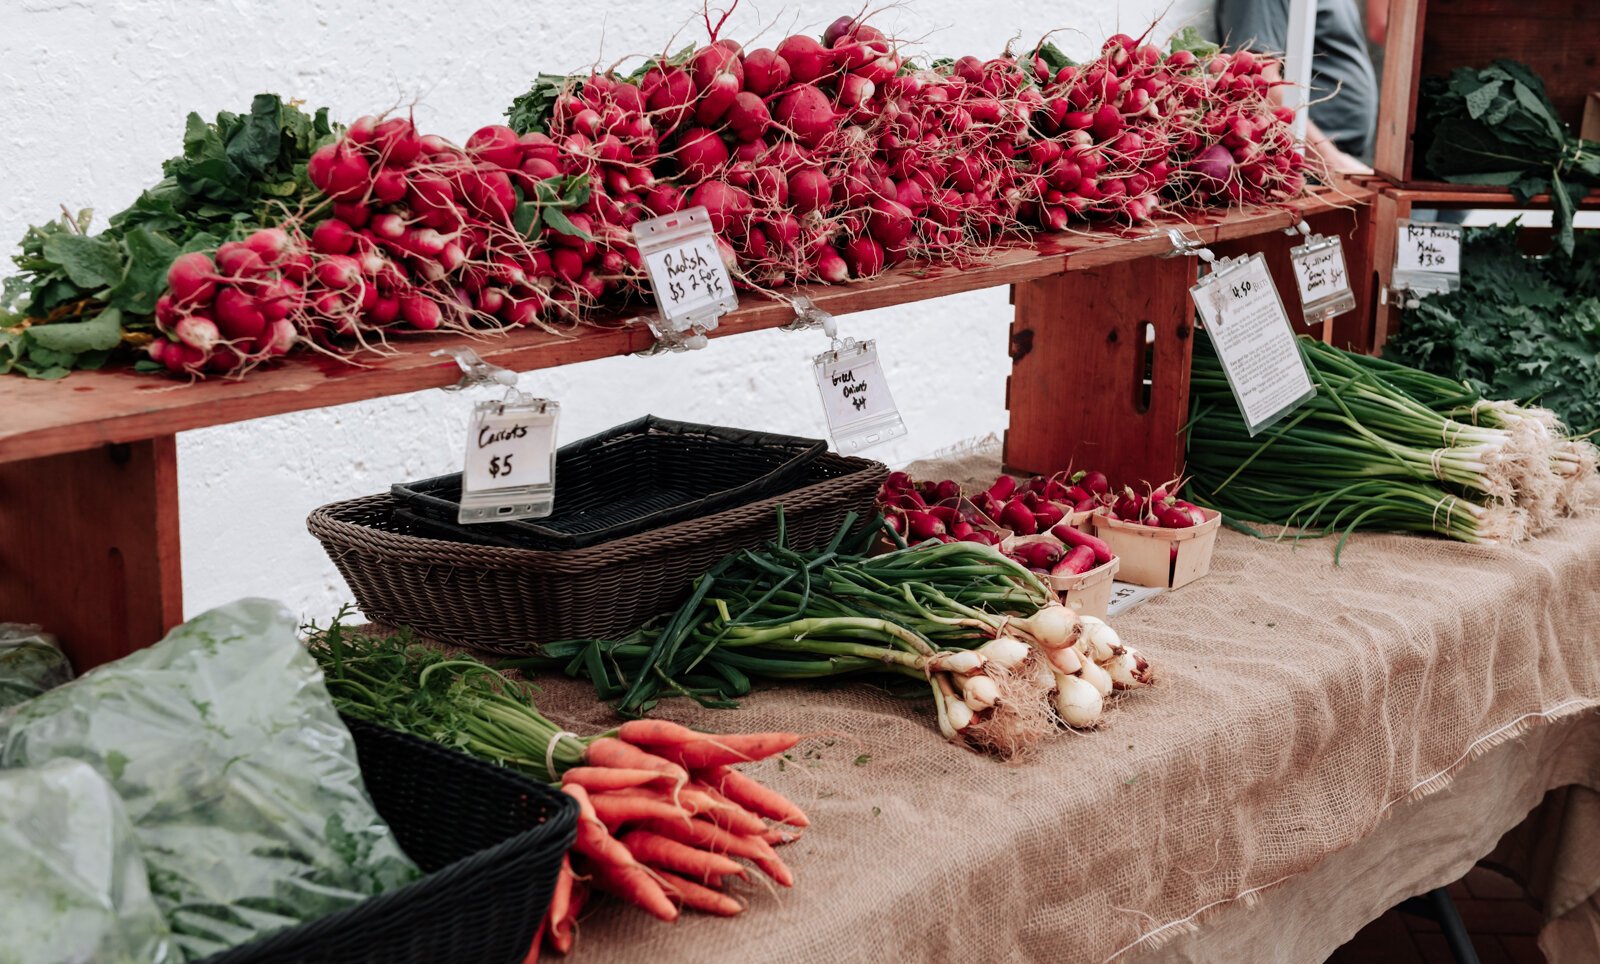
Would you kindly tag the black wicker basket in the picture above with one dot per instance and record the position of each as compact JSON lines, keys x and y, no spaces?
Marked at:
{"x":507,"y":600}
{"x":489,"y":840}
{"x":646,"y":474}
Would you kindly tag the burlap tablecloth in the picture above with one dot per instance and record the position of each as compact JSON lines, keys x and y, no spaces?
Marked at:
{"x":1300,"y":707}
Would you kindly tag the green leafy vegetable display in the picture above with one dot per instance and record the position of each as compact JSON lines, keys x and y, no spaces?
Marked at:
{"x":1495,"y":125}
{"x":79,"y":296}
{"x":1519,"y":327}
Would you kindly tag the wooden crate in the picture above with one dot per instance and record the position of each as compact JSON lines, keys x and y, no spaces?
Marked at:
{"x":1391,"y":205}
{"x":1559,"y":39}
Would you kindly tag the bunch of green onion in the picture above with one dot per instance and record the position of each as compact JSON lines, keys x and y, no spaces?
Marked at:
{"x":1382,"y":446}
{"x":960,"y":618}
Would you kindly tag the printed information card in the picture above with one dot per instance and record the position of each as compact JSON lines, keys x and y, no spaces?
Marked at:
{"x":1246,"y":322}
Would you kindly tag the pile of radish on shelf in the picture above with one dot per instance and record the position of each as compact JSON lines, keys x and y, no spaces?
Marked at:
{"x":818,"y":159}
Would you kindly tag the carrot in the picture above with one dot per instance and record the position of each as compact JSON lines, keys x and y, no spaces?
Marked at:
{"x":700,"y":898}
{"x":729,"y":815}
{"x":708,"y":836}
{"x":752,"y":795}
{"x":763,"y":800}
{"x":594,"y":840}
{"x":617,"y":807}
{"x":600,"y":779}
{"x":635,"y":884}
{"x":656,"y":733}
{"x":728,"y":748}
{"x":699,"y":801}
{"x":775,"y":868}
{"x":664,"y":852}
{"x":778,"y":836}
{"x":610,"y":752}
{"x":532,"y":957}
{"x":560,"y":904}
{"x":564,"y":929}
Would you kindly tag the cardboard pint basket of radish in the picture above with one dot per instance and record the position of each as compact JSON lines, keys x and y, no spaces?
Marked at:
{"x":1088,"y":591}
{"x":1169,"y":548}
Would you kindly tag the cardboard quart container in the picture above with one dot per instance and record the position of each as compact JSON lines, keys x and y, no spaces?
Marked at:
{"x":1087,"y":592}
{"x":1147,"y":551}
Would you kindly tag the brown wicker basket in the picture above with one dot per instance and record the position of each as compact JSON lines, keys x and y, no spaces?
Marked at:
{"x":506,"y":600}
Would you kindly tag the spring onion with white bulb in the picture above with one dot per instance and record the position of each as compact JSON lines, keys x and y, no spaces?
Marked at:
{"x":1381,"y":446}
{"x":985,"y":637}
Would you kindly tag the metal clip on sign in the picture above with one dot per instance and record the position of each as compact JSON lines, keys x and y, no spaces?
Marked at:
{"x":476,"y":371}
{"x":809,"y":316}
{"x":509,"y":469}
{"x":1183,"y":247}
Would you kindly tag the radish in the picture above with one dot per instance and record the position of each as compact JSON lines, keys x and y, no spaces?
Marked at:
{"x":192,"y":278}
{"x":497,"y":145}
{"x":729,"y":206}
{"x":269,"y":244}
{"x":748,"y":117}
{"x":701,"y":153}
{"x":716,"y":98}
{"x":197,"y":332}
{"x":806,"y":112}
{"x":809,"y":190}
{"x":765,"y":71}
{"x":830,"y":266}
{"x":864,"y":256}
{"x":236,"y":260}
{"x":890,"y":222}
{"x":398,"y":144}
{"x":338,"y":271}
{"x":671,"y":95}
{"x":719,"y":59}
{"x":353,"y":213}
{"x":807,"y":59}
{"x":237,"y":315}
{"x":420,"y":312}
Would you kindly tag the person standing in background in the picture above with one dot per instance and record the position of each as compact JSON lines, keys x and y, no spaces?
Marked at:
{"x":1344,"y":88}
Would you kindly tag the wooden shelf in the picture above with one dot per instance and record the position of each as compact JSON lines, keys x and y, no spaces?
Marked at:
{"x":89,"y":409}
{"x":1446,"y":195}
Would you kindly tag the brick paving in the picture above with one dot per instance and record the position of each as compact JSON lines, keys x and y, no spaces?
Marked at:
{"x":1504,"y":926}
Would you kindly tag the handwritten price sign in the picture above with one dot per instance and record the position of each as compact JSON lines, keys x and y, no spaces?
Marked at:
{"x":855,"y":397}
{"x":687,"y":275}
{"x":509,"y":448}
{"x":1433,"y":248}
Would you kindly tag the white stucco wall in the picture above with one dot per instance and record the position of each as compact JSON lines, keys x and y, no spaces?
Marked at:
{"x":95,"y":93}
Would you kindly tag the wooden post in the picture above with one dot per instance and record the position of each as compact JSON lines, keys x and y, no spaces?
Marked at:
{"x":1086,"y":389}
{"x":89,"y":547}
{"x":1387,"y":210}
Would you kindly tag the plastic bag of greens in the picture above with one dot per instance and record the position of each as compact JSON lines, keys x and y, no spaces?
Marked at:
{"x":30,"y":663}
{"x":240,"y":779}
{"x":72,"y":886}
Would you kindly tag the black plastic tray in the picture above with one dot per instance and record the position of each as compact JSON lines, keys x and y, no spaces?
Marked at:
{"x":646,"y":474}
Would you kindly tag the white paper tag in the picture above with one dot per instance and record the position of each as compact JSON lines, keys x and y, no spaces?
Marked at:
{"x":855,"y":397}
{"x":509,"y":471}
{"x":687,"y":276}
{"x":1125,"y":596}
{"x":1245,"y":319}
{"x":1320,"y":274}
{"x":1427,"y":256}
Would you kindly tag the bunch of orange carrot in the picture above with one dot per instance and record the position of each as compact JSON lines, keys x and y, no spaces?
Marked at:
{"x":662,"y":818}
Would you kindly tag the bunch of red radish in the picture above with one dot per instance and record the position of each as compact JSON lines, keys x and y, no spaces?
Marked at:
{"x":1159,"y":507}
{"x":934,"y":510}
{"x":234,"y":311}
{"x":1108,"y":128}
{"x":1239,"y":147}
{"x":665,"y":820}
{"x":424,"y":231}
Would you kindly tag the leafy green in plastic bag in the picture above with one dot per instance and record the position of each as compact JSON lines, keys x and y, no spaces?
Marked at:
{"x":74,"y":888}
{"x":239,"y":778}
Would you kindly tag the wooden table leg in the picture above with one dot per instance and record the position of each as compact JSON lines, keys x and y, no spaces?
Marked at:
{"x":1387,"y":212}
{"x":89,"y":547}
{"x":1087,"y":388}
